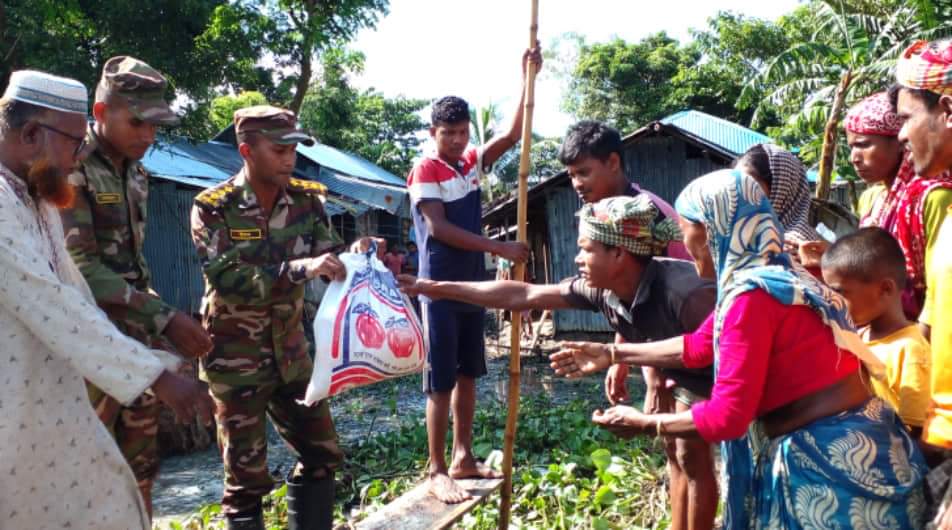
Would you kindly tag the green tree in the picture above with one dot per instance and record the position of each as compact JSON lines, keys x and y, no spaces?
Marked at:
{"x":74,"y":38}
{"x":223,"y":108}
{"x":732,"y":49}
{"x":850,"y":54}
{"x":544,"y":156}
{"x":483,"y":121}
{"x":387,"y":130}
{"x":626,"y":84}
{"x":306,"y":28}
{"x":205,"y":47}
{"x":382,"y":130}
{"x":629,"y":85}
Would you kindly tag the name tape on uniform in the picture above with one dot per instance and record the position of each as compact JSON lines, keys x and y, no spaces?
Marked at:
{"x":108,"y":198}
{"x":248,"y":234}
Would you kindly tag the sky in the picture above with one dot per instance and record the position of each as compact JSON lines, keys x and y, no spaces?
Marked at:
{"x":472,"y":49}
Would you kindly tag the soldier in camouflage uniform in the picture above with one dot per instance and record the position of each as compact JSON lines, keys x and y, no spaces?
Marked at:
{"x":261,"y":235}
{"x":105,"y":230}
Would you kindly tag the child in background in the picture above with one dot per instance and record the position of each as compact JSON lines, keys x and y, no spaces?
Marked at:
{"x":868,"y":268}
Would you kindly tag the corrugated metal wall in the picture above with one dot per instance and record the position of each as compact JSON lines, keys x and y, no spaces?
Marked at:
{"x":664,"y":165}
{"x":176,"y":271}
{"x":561,"y":204}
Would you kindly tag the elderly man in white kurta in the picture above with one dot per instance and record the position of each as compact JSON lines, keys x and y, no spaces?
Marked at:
{"x":59,"y":467}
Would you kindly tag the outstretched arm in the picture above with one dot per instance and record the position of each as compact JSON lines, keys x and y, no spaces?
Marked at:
{"x":578,"y":359}
{"x":501,"y":294}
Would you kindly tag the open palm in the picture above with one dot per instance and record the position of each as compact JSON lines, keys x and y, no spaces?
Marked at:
{"x":578,"y":359}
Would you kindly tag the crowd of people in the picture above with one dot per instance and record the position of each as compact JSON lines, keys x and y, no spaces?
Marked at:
{"x":817,"y":366}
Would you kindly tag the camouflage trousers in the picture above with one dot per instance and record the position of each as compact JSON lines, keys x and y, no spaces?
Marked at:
{"x":240,"y":412}
{"x":135,"y":428}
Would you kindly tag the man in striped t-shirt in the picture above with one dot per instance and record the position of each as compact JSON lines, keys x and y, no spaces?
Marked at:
{"x":447,"y":215}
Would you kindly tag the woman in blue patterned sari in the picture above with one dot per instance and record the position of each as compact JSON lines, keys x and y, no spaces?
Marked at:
{"x":804,"y":445}
{"x":856,"y":468}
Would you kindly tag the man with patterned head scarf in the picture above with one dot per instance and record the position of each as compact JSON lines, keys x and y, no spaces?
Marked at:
{"x":872,"y":130}
{"x":645,"y":298}
{"x":910,"y":207}
{"x":923,"y":101}
{"x":60,"y":467}
{"x":105,"y":231}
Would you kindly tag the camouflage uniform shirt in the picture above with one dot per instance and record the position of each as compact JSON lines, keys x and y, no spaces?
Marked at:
{"x":254,"y":295}
{"x":105,"y":231}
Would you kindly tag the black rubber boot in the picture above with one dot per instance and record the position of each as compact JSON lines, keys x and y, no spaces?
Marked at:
{"x":246,"y":521}
{"x":311,"y":504}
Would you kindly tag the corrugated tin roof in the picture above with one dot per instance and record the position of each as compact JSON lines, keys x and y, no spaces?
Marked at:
{"x":349,"y":164}
{"x":341,"y":161}
{"x":199,"y":164}
{"x":368,"y":194}
{"x":202,"y":165}
{"x":713,"y":130}
{"x":383,"y":197}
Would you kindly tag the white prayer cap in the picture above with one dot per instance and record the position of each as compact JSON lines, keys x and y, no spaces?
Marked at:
{"x":46,"y":90}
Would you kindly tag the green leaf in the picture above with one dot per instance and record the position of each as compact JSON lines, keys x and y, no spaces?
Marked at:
{"x":482,"y":449}
{"x":604,"y":496}
{"x":600,"y":524}
{"x":601,"y":458}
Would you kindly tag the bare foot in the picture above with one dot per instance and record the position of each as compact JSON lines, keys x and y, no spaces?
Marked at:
{"x":470,"y":468}
{"x":446,"y":489}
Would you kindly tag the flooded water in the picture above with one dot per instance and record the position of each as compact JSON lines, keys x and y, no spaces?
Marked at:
{"x":187,"y":482}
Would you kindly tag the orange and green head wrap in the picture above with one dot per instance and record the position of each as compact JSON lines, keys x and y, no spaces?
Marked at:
{"x":632,"y":223}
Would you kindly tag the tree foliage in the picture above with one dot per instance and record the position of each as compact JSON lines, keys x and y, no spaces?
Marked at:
{"x":793,"y":77}
{"x":485,"y":122}
{"x":625,"y":84}
{"x":74,"y":38}
{"x":848,"y":52}
{"x":382,"y":130}
{"x":631,"y":84}
{"x":223,"y":108}
{"x":307,"y":28}
{"x":205,"y":47}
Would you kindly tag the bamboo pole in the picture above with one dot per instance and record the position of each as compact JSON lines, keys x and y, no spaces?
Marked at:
{"x":519,"y":274}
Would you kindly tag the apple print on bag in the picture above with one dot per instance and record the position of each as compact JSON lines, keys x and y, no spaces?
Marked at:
{"x":366,"y":330}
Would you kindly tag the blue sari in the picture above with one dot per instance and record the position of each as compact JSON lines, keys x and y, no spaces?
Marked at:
{"x":858,"y":469}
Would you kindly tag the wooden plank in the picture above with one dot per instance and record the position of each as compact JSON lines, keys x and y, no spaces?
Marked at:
{"x":418,"y":510}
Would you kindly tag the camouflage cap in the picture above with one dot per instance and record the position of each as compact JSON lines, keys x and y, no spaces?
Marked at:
{"x":142,"y":86}
{"x":276,"y":124}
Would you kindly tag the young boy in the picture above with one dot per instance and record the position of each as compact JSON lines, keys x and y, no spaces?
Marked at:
{"x":447,"y":216}
{"x":868,"y":268}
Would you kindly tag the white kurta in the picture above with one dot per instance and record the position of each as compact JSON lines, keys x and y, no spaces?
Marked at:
{"x":59,"y":467}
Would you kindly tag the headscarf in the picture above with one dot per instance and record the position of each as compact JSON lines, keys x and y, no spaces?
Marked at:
{"x":790,"y":194}
{"x":926,"y":66}
{"x":632,"y":223}
{"x":747,"y":248}
{"x":873,"y":115}
{"x":745,"y":240}
{"x":900,"y":210}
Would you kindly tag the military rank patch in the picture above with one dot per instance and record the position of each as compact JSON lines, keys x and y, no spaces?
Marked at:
{"x":309,"y":185}
{"x":108,"y":198}
{"x":214,"y":196}
{"x":247,"y":234}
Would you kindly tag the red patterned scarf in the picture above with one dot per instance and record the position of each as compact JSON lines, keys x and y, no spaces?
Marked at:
{"x":901,"y":211}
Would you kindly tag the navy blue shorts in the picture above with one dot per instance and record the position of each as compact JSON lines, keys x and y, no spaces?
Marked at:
{"x":457,"y":345}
